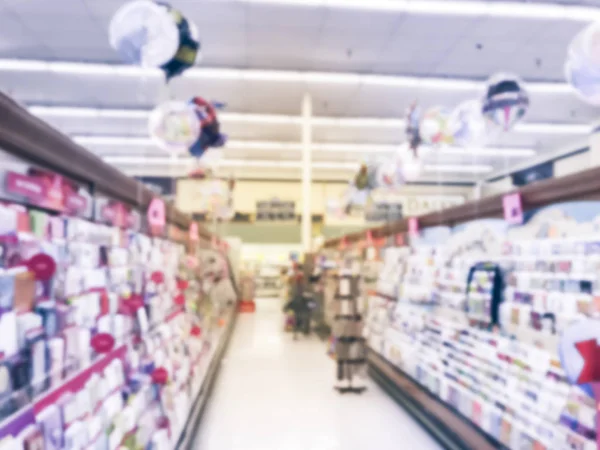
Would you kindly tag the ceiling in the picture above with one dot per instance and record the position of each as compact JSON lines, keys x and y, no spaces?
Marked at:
{"x":362,"y":62}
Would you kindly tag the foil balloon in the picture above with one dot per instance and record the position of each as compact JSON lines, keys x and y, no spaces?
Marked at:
{"x":506,"y":101}
{"x":144,"y":34}
{"x":413,"y":118}
{"x":174,"y":126}
{"x":152,"y":34}
{"x":188,"y":49}
{"x":210,"y":135}
{"x":433,"y":127}
{"x":467,"y":125}
{"x":582,"y":67}
{"x":389,"y":175}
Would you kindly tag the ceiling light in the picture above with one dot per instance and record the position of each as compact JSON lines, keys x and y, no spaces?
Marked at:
{"x":328,"y":147}
{"x":463,"y":168}
{"x":451,"y":84}
{"x":273,"y":119}
{"x":541,"y":11}
{"x":162,"y":161}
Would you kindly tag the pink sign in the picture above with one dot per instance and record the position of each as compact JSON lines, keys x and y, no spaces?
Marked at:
{"x":157,"y":214}
{"x":193,"y":232}
{"x":29,"y":187}
{"x":413,"y":226}
{"x":369,"y":238}
{"x":513,"y":208}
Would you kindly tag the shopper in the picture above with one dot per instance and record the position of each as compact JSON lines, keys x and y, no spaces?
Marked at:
{"x":300,"y":306}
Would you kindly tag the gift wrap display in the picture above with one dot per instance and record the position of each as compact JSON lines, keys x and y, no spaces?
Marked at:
{"x":476,"y":315}
{"x":107,"y":334}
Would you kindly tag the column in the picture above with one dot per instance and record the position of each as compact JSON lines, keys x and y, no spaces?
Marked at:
{"x":306,"y":173}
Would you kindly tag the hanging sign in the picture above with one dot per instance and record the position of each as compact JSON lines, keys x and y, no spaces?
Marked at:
{"x":413,"y":226}
{"x":513,"y":208}
{"x":194,"y":232}
{"x":369,"y":238}
{"x":156,"y":215}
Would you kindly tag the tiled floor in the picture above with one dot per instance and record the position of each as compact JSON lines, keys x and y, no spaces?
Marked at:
{"x":274,"y":393}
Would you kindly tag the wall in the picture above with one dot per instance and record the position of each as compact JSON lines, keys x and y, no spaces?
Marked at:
{"x":248,"y":193}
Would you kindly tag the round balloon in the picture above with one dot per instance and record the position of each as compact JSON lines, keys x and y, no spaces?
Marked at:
{"x":144,"y":33}
{"x":412,"y":167}
{"x":506,"y":101}
{"x":582,"y":67}
{"x":174,"y":126}
{"x":467,"y":126}
{"x":433,"y":128}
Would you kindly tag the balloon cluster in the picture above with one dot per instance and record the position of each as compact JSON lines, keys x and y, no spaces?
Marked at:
{"x":473,"y":122}
{"x":178,"y":127}
{"x":390,"y":174}
{"x":153,"y":34}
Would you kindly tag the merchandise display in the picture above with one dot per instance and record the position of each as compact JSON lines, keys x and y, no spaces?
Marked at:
{"x":478,"y":318}
{"x":107,"y":333}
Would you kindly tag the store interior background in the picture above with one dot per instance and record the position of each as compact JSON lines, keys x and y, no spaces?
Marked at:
{"x":311,"y":91}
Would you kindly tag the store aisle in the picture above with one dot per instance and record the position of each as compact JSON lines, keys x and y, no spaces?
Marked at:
{"x":274,"y":393}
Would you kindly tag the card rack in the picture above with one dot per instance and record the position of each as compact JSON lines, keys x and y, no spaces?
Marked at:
{"x":350,"y":346}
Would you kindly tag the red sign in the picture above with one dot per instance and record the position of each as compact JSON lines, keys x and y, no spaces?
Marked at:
{"x":47,"y":190}
{"x":369,"y":238}
{"x":29,"y":187}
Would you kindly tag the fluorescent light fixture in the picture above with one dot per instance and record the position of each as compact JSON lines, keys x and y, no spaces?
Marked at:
{"x":463,"y":168}
{"x":327,"y":147}
{"x":449,"y":84}
{"x":274,"y":119}
{"x":540,"y":11}
{"x":233,"y":163}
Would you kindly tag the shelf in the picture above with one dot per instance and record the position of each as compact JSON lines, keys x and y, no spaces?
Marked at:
{"x":444,"y":423}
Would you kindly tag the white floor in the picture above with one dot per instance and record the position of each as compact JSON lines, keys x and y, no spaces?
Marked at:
{"x":274,"y":393}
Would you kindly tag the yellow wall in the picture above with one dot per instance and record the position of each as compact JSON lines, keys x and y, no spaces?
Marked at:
{"x":248,"y":193}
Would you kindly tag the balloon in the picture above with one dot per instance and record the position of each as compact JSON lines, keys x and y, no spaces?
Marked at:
{"x":505,"y":101}
{"x":144,"y":34}
{"x":413,"y":118}
{"x":467,"y":125}
{"x":412,"y":167}
{"x":188,"y":49}
{"x":153,"y":34}
{"x":389,"y":174}
{"x":582,"y":67}
{"x":174,"y":126}
{"x":433,"y":128}
{"x":211,"y":135}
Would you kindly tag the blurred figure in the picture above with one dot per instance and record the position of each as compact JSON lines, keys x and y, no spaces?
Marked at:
{"x":300,"y":306}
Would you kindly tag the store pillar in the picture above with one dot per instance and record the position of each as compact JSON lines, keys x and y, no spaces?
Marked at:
{"x":306,"y":173}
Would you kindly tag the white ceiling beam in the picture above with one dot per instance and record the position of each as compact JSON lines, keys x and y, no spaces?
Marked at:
{"x":511,"y":10}
{"x":274,"y":119}
{"x":363,"y":149}
{"x":166,"y":161}
{"x":400,"y":81}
